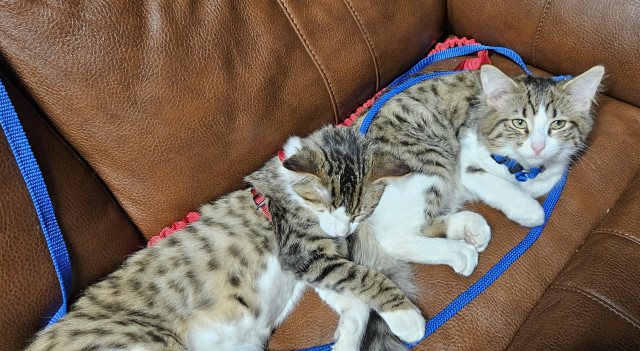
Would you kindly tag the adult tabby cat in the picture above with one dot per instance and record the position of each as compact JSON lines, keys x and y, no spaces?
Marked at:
{"x":227,"y":280}
{"x":446,"y":130}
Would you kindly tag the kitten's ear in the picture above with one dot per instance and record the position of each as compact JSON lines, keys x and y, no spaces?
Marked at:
{"x":496,"y":85}
{"x":293,"y":145}
{"x":387,"y":166}
{"x":301,"y":163}
{"x":583,"y":88}
{"x":297,"y":161}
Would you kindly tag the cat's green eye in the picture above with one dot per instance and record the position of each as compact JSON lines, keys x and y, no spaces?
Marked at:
{"x":558,"y":124}
{"x":519,"y":123}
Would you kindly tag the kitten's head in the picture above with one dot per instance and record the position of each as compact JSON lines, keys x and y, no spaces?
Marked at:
{"x":537,"y":120}
{"x":336,"y":173}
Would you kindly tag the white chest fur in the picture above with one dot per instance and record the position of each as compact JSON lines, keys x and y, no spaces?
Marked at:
{"x":474,"y":154}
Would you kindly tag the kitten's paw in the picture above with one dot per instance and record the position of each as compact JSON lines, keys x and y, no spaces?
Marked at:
{"x":408,"y":325}
{"x":526,"y":213}
{"x":471,"y":227}
{"x":465,"y":259}
{"x":349,"y":332}
{"x":346,"y":342}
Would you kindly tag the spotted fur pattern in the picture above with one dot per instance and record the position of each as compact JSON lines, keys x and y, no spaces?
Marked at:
{"x":228,"y":279}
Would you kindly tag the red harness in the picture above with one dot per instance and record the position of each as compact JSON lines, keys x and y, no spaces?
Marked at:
{"x":259,"y":199}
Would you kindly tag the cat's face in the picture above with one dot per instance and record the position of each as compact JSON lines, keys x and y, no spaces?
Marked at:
{"x":536,"y":120}
{"x":335,"y":174}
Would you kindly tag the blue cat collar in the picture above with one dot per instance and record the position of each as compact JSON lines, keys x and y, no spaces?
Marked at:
{"x":520,"y":173}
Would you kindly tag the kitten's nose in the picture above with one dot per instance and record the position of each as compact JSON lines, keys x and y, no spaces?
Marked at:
{"x":537,"y":147}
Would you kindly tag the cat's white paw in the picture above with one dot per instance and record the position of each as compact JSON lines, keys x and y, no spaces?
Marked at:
{"x":408,"y":325}
{"x":527,"y":213}
{"x":349,"y":332}
{"x":465,"y":258}
{"x":471,"y":227}
{"x":346,"y":343}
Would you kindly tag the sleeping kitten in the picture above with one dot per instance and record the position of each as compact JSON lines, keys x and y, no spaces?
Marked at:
{"x":228,"y":279}
{"x":446,"y":130}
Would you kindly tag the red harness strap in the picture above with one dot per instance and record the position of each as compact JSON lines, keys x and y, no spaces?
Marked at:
{"x":259,"y":199}
{"x":261,"y":202}
{"x":190,"y":218}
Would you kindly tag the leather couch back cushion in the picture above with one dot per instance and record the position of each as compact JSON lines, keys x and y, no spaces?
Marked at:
{"x":171,"y":102}
{"x":562,"y":37}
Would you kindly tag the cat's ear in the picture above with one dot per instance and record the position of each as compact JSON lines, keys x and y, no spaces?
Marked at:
{"x":301,"y":163}
{"x":296,"y":161}
{"x":582,"y":89}
{"x":387,"y":166}
{"x":293,"y":145}
{"x":496,"y":85}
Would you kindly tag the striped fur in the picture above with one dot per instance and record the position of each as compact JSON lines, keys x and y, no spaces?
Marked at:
{"x":227,"y":280}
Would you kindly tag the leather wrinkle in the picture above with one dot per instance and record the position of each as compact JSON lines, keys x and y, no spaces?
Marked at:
{"x":546,"y":290}
{"x":601,"y":302}
{"x":538,"y":30}
{"x":314,"y":57}
{"x":623,"y":235}
{"x":367,"y":39}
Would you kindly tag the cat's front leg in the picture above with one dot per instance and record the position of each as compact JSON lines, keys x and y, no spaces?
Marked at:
{"x":458,"y":254}
{"x":352,"y":324}
{"x":373,"y":289}
{"x":502,"y":195}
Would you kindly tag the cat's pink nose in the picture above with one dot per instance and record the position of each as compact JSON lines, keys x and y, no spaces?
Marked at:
{"x":537,"y":147}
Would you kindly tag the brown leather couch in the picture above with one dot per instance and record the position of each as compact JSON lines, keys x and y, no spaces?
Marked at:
{"x":138,"y":111}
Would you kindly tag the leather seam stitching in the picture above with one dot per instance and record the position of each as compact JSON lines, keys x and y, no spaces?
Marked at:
{"x":316,"y":61}
{"x":600,"y":301}
{"x":623,"y":235}
{"x":539,"y":29}
{"x":367,"y":38}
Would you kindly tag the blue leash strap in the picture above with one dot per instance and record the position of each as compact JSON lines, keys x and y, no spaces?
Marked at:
{"x":35,"y":185}
{"x":459,"y":51}
{"x":401,"y":83}
{"x":366,"y":122}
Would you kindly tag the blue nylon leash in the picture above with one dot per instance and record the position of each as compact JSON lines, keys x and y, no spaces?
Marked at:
{"x":398,"y":87}
{"x":496,"y":271}
{"x":366,"y":122}
{"x":456,"y":52}
{"x":37,"y":189}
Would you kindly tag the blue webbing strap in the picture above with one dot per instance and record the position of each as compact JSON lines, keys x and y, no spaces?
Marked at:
{"x":38,"y":191}
{"x":398,"y":87}
{"x":456,"y":52}
{"x":366,"y":122}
